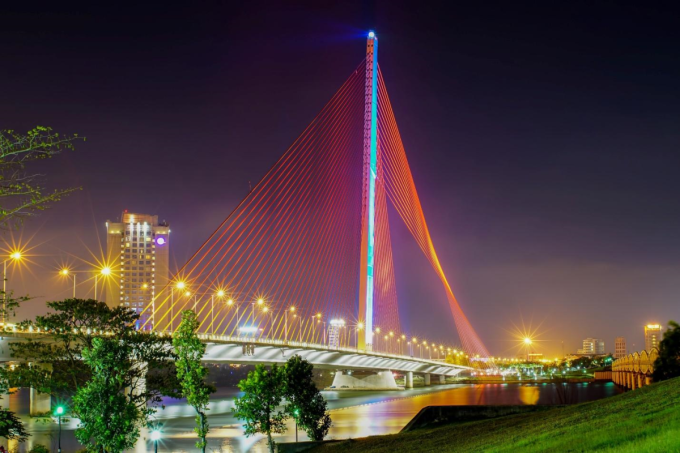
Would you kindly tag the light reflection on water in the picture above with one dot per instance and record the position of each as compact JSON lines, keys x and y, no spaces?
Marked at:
{"x":354,"y":414}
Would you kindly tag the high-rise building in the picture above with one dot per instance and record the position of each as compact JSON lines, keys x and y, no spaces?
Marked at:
{"x":652,"y":336}
{"x":620,"y":348}
{"x":592,"y":346}
{"x":138,"y":251}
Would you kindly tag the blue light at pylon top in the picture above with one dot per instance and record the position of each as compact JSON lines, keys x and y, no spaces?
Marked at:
{"x":371,"y":34}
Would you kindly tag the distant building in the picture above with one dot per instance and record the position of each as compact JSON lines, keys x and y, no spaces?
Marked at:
{"x":592,"y":346}
{"x":620,"y":348}
{"x":138,"y":250}
{"x":652,"y":336}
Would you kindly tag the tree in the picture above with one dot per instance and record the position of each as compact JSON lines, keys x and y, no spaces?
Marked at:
{"x":20,"y":189}
{"x":259,"y":406}
{"x":305,"y":402}
{"x":667,"y":365}
{"x":69,"y":358}
{"x":110,"y":418}
{"x":11,"y":427}
{"x":191,"y":373}
{"x":71,"y":327}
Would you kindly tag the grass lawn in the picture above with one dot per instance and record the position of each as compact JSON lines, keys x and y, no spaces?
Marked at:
{"x":644,"y":420}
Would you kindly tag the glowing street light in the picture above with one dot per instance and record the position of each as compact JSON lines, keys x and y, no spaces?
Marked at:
{"x":220,"y":295}
{"x":16,"y":256}
{"x":292,"y":310}
{"x":104,"y":271}
{"x":155,"y":436}
{"x":357,"y":328}
{"x":65,"y":272}
{"x":59,"y":411}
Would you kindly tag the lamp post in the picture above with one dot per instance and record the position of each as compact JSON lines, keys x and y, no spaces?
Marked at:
{"x":377,"y":337}
{"x":391,"y":336}
{"x":104,"y":272}
{"x":292,"y":310}
{"x":318,"y":319}
{"x":180,"y":286}
{"x":66,"y":272}
{"x":220,"y":295}
{"x":230,"y":302}
{"x":59,"y":411}
{"x":155,"y":436}
{"x":297,"y":413}
{"x":16,"y":256}
{"x":357,"y":328}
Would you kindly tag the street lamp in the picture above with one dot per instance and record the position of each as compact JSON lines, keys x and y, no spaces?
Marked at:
{"x":155,"y":436}
{"x":220,"y":295}
{"x":65,"y":272}
{"x":16,"y":256}
{"x":180,"y":285}
{"x":296,"y":412}
{"x":104,"y":272}
{"x":377,"y":337}
{"x":230,"y":302}
{"x":292,"y":310}
{"x":59,"y":411}
{"x":359,"y":326}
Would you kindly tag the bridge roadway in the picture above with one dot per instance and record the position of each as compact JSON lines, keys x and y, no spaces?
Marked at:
{"x":232,"y":350}
{"x":228,"y":349}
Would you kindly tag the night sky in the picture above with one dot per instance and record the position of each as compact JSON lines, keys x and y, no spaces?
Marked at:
{"x":543,"y":140}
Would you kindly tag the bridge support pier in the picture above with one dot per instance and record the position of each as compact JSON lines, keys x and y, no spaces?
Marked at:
{"x":442,"y":379}
{"x":40,"y":403}
{"x":408,"y":380}
{"x":426,"y":376}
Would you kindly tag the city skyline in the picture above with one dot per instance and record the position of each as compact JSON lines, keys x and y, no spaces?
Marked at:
{"x":560,"y":264}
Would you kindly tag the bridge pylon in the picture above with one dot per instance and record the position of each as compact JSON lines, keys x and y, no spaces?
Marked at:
{"x":370,"y":172}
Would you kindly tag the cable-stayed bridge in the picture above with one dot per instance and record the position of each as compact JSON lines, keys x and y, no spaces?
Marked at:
{"x":305,"y":259}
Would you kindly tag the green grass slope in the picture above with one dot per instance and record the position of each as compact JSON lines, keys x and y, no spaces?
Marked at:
{"x":644,"y":420}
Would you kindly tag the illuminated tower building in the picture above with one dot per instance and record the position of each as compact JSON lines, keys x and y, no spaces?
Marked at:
{"x":138,"y":249}
{"x":652,"y":336}
{"x":620,"y":350}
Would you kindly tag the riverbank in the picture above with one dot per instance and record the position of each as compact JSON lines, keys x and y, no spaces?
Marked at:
{"x":644,"y":420}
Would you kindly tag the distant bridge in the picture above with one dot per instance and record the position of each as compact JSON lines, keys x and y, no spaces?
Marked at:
{"x":634,"y":370}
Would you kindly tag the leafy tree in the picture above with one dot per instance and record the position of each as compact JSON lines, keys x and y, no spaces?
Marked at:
{"x":305,"y":402}
{"x":73,"y":326}
{"x":69,"y":355}
{"x":110,"y":418}
{"x":667,"y":365}
{"x":259,"y":406}
{"x":191,"y":373}
{"x":11,"y":427}
{"x":20,"y":189}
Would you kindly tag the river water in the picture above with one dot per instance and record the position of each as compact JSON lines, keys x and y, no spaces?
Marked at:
{"x":354,"y":414}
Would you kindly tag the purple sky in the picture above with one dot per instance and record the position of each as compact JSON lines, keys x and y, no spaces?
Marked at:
{"x":543,"y":141}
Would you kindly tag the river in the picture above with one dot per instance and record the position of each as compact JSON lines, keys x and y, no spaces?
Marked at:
{"x":354,"y":414}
